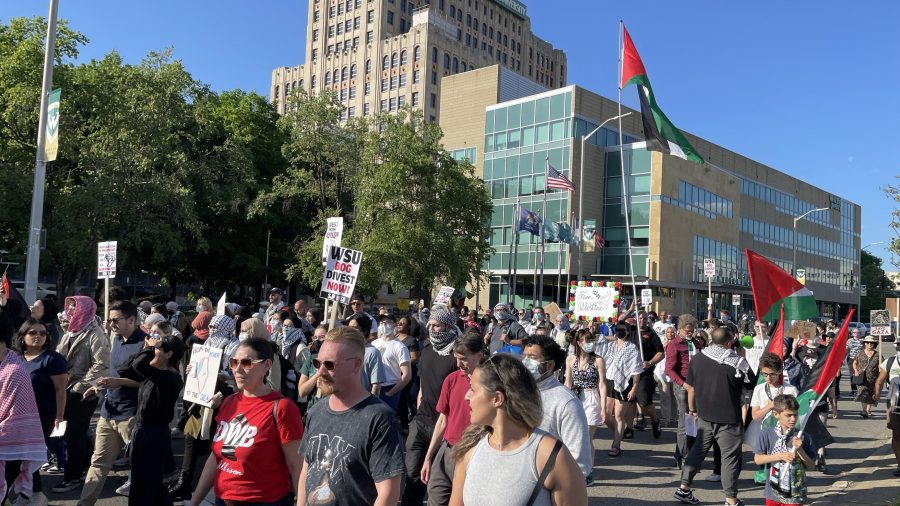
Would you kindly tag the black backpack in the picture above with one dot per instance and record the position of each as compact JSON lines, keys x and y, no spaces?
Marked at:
{"x":289,"y":378}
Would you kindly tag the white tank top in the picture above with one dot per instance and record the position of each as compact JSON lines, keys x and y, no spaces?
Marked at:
{"x":499,"y":478}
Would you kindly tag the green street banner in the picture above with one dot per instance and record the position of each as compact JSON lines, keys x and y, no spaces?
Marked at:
{"x":51,"y":140}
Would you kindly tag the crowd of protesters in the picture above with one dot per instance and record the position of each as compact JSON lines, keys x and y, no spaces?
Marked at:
{"x":442,"y":405}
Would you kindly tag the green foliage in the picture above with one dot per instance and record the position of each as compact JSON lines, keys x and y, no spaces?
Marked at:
{"x":878,"y":285}
{"x":894,"y":193}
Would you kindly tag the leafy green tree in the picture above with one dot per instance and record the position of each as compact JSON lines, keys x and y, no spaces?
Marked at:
{"x":878,"y":285}
{"x":894,"y":193}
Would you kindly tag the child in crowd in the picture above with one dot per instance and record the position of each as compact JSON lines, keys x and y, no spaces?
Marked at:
{"x":786,"y":453}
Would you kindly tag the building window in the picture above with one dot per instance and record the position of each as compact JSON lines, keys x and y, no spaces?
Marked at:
{"x":468,"y":40}
{"x":446,"y":61}
{"x":433,"y":77}
{"x":475,"y":24}
{"x":356,"y":23}
{"x":401,"y":101}
{"x":368,"y":67}
{"x":353,"y":71}
{"x":343,"y":94}
{"x":355,"y":42}
{"x":417,"y":53}
{"x":348,"y":25}
{"x":384,"y":85}
{"x":331,"y":30}
{"x":365,"y":109}
{"x":335,"y":77}
{"x":367,"y":88}
{"x":315,"y":34}
{"x":312,"y":81}
{"x":415,"y":76}
{"x":331,"y":11}
{"x":455,"y":67}
{"x":351,"y":112}
{"x":385,"y":63}
{"x":434,"y":55}
{"x":415,"y":99}
{"x":370,"y":17}
{"x":402,"y":25}
{"x":390,"y":17}
{"x":393,"y":82}
{"x":394,"y":60}
{"x":469,"y":20}
{"x":327,"y":78}
{"x":384,"y":105}
{"x":338,"y":47}
{"x":316,"y":17}
{"x":433,"y":100}
{"x":403,"y":57}
{"x":315,"y":53}
{"x":352,"y":92}
{"x":393,"y":104}
{"x":345,"y":73}
{"x":463,"y":66}
{"x":301,"y":83}
{"x":340,"y":29}
{"x":369,"y":37}
{"x":277,"y":91}
{"x":402,"y":80}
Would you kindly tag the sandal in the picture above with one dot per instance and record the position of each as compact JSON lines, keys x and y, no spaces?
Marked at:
{"x":614,"y":451}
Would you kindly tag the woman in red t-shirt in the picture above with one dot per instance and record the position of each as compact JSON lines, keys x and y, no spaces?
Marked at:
{"x":254,"y":451}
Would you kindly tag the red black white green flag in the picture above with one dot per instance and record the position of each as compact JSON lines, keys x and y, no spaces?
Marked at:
{"x":660,"y":133}
{"x":822,"y":374}
{"x":773,"y":287}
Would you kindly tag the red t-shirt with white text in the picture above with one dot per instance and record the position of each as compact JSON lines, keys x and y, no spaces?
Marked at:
{"x":250,"y":465}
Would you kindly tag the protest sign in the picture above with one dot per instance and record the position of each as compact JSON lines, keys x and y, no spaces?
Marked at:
{"x":443,"y":295}
{"x":341,"y":273}
{"x":334,"y":231}
{"x":802,"y":329}
{"x":880,"y":319}
{"x":596,"y":302}
{"x":200,"y":384}
{"x":106,"y":260}
{"x":646,"y":296}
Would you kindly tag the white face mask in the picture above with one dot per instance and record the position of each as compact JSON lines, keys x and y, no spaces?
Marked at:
{"x":386,"y":329}
{"x":243,"y":335}
{"x":534,"y":367}
{"x":588,"y":346}
{"x":538,"y":316}
{"x":200,"y":308}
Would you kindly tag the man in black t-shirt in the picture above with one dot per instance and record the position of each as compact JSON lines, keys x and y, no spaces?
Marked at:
{"x":716,"y":379}
{"x":435,"y":364}
{"x":653,"y":353}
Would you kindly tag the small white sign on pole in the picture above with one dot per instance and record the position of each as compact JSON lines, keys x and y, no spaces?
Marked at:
{"x":880,"y":319}
{"x":200,"y":384}
{"x":334,"y":231}
{"x":106,"y":260}
{"x":443,"y":295}
{"x":341,"y":273}
{"x":709,"y":267}
{"x":646,"y":296}
{"x":736,"y":299}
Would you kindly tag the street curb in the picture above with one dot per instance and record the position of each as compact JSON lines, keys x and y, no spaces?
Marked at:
{"x":871,"y":483}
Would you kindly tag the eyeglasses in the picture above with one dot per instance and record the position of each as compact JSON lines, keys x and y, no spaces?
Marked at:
{"x":246,"y":363}
{"x":155,"y":335}
{"x":329,"y":364}
{"x":37,"y":333}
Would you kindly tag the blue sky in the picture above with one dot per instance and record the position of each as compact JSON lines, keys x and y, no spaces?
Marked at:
{"x":794,"y":85}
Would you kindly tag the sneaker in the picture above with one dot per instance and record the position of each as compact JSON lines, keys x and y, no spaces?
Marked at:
{"x":46,"y":467}
{"x":686,"y":496}
{"x":656,"y":432}
{"x":171,"y":477}
{"x":68,"y":486}
{"x":640,"y":425}
{"x":629,"y":434}
{"x":124,"y":489}
{"x":896,"y":472}
{"x":713,"y":477}
{"x":38,"y":499}
{"x":55,"y":469}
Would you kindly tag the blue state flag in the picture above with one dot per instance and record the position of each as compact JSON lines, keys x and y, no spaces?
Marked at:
{"x":529,"y":222}
{"x":551,"y":232}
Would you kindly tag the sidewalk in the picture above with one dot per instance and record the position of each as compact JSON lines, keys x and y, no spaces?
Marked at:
{"x":872,"y":483}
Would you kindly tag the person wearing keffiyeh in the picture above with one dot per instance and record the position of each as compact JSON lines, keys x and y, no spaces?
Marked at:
{"x":20,"y":424}
{"x":785,"y":453}
{"x":221,"y":335}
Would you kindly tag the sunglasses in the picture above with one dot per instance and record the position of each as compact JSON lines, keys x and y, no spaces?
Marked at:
{"x":246,"y":363}
{"x":329,"y":364}
{"x":37,"y":333}
{"x":114,"y":321}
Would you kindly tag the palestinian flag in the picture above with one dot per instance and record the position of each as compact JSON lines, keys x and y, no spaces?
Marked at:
{"x":661,"y":134}
{"x":816,"y":383}
{"x":772,"y":288}
{"x":776,"y":345}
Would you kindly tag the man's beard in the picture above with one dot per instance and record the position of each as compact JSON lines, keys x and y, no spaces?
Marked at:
{"x":325,"y":387}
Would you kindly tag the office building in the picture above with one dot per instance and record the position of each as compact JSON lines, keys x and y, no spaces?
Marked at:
{"x":680,"y":212}
{"x":381,"y":55}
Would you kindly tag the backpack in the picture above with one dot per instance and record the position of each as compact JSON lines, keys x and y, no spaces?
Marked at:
{"x":289,"y":378}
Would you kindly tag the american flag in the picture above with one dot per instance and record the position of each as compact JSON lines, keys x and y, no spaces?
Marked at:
{"x":598,"y":241}
{"x":556,"y":180}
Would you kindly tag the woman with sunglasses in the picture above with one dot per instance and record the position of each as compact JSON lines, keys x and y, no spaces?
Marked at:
{"x":254,"y":451}
{"x":156,"y":368}
{"x":502,"y":458}
{"x":49,"y":376}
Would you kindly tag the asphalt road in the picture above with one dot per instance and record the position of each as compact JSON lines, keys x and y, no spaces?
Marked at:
{"x":645,"y":472}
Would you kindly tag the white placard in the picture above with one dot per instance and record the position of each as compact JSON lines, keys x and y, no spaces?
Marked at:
{"x":106,"y":260}
{"x":334,"y":231}
{"x":736,"y":300}
{"x":200,"y":384}
{"x":340,"y":275}
{"x":646,"y":296}
{"x":443,"y":295}
{"x":880,"y":331}
{"x":220,"y":306}
{"x":595,"y":302}
{"x":709,"y":267}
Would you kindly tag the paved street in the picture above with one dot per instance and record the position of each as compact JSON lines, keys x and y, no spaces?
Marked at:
{"x":645,"y":473}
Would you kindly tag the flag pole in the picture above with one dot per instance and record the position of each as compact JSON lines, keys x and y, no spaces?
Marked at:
{"x":543,"y":235}
{"x":565,"y":290}
{"x":622,"y":167}
{"x":510,"y":267}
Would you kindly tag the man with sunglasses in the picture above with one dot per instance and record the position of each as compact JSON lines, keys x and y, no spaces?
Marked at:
{"x":352,"y":450}
{"x":119,"y":407}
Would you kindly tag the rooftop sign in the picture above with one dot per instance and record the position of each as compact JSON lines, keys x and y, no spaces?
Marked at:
{"x":514,"y":6}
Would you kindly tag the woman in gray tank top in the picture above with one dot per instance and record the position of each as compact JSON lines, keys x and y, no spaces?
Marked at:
{"x":503,"y":459}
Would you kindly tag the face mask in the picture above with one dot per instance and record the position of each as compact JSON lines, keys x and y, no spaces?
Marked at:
{"x":621,"y":334}
{"x":588,"y":347}
{"x":502,"y":315}
{"x":539,"y":316}
{"x":534,"y":367}
{"x":386,"y":329}
{"x":724,"y":318}
{"x":200,"y":308}
{"x":243,"y":335}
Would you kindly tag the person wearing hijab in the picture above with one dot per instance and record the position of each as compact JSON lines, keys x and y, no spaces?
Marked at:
{"x":86,"y":349}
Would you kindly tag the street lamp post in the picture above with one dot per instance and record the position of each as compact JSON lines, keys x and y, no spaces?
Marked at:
{"x":584,"y":138}
{"x":798,"y":218}
{"x":859,"y":280}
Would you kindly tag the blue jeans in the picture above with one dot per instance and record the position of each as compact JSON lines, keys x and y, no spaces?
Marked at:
{"x":391,"y":400}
